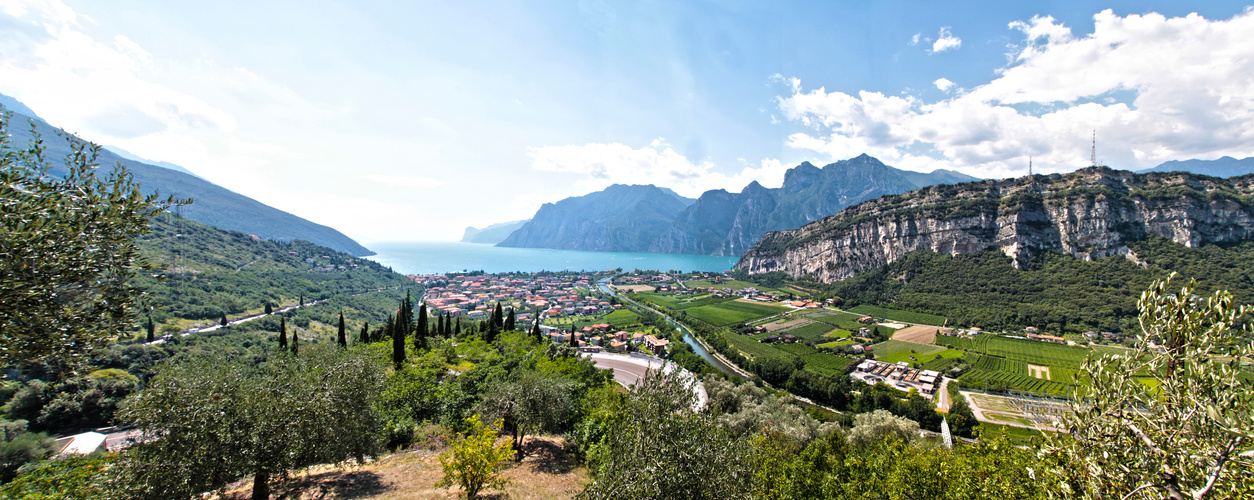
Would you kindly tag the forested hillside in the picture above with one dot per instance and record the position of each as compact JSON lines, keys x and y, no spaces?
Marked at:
{"x":1057,"y":293}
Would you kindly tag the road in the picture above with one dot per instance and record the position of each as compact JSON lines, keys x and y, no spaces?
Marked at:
{"x":629,"y":369}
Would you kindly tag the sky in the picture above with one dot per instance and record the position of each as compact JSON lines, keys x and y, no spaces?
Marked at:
{"x":408,"y":120}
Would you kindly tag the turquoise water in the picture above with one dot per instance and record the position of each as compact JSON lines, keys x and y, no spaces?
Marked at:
{"x":440,"y":257}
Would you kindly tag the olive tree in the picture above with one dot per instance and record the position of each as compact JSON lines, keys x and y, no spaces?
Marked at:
{"x":529,"y":402}
{"x":1170,"y":418}
{"x":67,"y":247}
{"x":661,"y":448}
{"x":211,"y":420}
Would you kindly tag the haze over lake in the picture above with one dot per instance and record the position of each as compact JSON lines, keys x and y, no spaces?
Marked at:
{"x":410,"y":257}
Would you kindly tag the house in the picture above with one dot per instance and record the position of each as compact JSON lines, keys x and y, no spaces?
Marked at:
{"x":81,"y":444}
{"x":866,"y":320}
{"x":789,"y":338}
{"x":770,"y":339}
{"x":656,"y":345}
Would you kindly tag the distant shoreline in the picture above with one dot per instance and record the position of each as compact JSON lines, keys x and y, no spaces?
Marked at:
{"x":437,"y":257}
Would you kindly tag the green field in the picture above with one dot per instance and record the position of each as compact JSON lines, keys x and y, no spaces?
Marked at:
{"x":895,"y":346}
{"x":838,"y":334}
{"x":841,"y":320}
{"x":919,"y":357}
{"x":838,"y":343}
{"x":808,"y":331}
{"x":754,"y":349}
{"x":733,"y":312}
{"x":893,"y":314}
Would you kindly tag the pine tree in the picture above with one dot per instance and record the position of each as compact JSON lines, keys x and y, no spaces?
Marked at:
{"x":343,"y":339}
{"x":420,"y":332}
{"x":509,"y":321}
{"x":282,"y":332}
{"x":152,"y":330}
{"x":365,"y":333}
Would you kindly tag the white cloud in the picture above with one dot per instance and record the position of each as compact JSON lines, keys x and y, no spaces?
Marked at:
{"x":1153,"y":88}
{"x":946,"y":41}
{"x":914,"y":40}
{"x":943,"y":84}
{"x":658,"y":163}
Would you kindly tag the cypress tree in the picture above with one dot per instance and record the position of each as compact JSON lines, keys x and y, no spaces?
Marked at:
{"x":420,"y":333}
{"x":343,"y":339}
{"x":365,"y":333}
{"x":295,"y":343}
{"x":223,"y":322}
{"x":152,"y":330}
{"x":535,"y":332}
{"x":457,"y":331}
{"x":398,"y":347}
{"x":498,"y":316}
{"x":389,"y":328}
{"x":302,"y":299}
{"x":405,"y":317}
{"x":439,"y":325}
{"x":509,"y":321}
{"x":573,"y":341}
{"x":282,"y":332}
{"x":269,"y":310}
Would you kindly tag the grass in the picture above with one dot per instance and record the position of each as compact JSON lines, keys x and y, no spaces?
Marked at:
{"x":733,"y":312}
{"x":895,"y":346}
{"x":896,"y":315}
{"x":838,"y":343}
{"x":1016,"y":435}
{"x":846,"y":321}
{"x":754,"y":349}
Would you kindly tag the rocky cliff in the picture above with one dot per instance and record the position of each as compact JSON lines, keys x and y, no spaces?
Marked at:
{"x":1088,"y":214}
{"x":620,"y":218}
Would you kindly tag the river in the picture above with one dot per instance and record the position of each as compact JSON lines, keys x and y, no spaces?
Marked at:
{"x":688,"y":338}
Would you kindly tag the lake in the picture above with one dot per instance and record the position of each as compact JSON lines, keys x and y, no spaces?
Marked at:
{"x":427,"y":257}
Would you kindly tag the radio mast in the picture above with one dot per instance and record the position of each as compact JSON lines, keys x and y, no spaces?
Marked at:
{"x":1093,"y":154}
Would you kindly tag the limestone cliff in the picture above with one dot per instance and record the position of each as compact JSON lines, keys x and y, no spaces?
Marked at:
{"x":1088,"y":214}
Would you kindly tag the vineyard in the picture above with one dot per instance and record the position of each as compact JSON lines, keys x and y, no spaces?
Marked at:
{"x":896,"y":315}
{"x":979,"y":378}
{"x":1028,"y":351}
{"x":809,"y":331}
{"x":826,"y":364}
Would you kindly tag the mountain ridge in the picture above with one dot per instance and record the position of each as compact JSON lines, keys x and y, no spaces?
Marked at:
{"x":1089,"y":214}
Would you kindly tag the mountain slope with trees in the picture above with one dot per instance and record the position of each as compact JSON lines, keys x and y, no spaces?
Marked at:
{"x":215,"y":205}
{"x":620,"y":218}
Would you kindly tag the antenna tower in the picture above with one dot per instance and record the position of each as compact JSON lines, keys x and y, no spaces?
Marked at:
{"x":1093,"y":154}
{"x":1029,"y":166}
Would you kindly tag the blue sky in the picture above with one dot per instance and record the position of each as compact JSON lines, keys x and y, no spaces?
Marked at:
{"x":412,"y":120}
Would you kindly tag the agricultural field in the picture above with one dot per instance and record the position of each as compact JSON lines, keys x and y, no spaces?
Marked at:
{"x":726,"y":313}
{"x":920,"y":358}
{"x":830,"y":365}
{"x":846,"y":321}
{"x":755,"y":350}
{"x":838,"y":333}
{"x":785,"y":323}
{"x":809,"y":331}
{"x":1028,"y":351}
{"x":1000,"y":373}
{"x":916,"y":334}
{"x":732,"y":284}
{"x":895,"y":346}
{"x":838,"y":343}
{"x":622,"y":319}
{"x":895,"y":315}
{"x":796,"y":349}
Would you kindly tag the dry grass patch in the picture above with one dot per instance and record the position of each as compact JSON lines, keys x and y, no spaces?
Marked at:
{"x":636,"y":288}
{"x":774,"y":327}
{"x":548,"y":472}
{"x":916,"y":334}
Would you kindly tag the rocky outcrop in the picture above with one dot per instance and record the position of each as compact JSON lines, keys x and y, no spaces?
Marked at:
{"x":620,"y":218}
{"x":1089,"y":214}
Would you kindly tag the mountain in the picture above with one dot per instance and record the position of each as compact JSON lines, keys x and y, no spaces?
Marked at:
{"x":16,"y":106}
{"x":164,"y":164}
{"x":620,"y":218}
{"x":1222,"y":167}
{"x":722,"y":223}
{"x":493,"y":234}
{"x":1088,"y":214}
{"x":214,"y":205}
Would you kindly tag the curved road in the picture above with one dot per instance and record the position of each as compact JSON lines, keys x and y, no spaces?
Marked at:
{"x":629,"y":369}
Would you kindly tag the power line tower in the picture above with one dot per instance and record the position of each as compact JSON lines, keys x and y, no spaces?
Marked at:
{"x":1029,"y":166}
